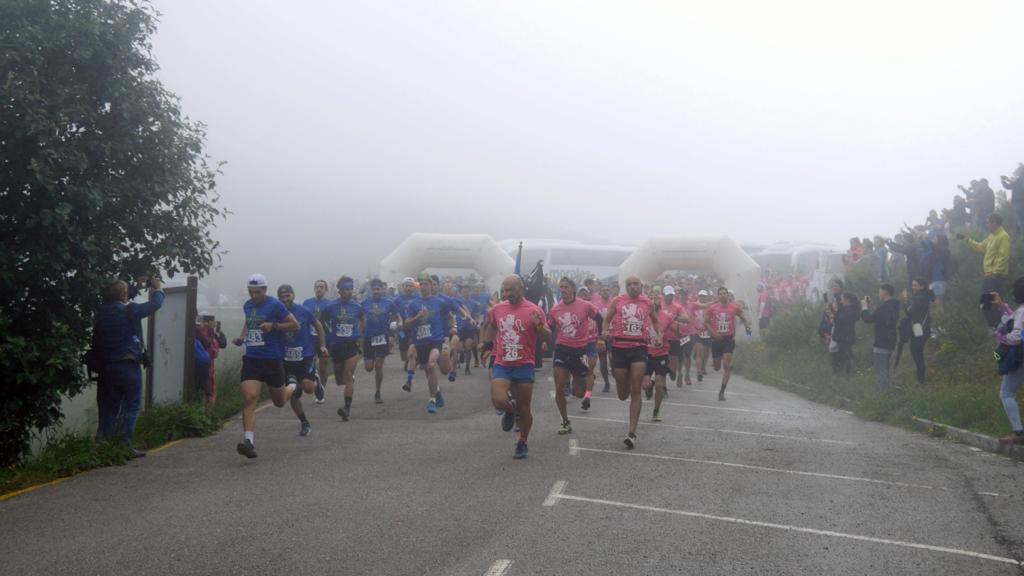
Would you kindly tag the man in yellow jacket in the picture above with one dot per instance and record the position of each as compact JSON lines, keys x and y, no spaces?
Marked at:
{"x":996,"y":265}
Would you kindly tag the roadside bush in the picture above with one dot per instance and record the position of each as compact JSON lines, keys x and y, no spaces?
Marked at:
{"x":161,"y":424}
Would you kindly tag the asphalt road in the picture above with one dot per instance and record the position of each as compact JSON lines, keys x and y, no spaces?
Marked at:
{"x":764,"y":483}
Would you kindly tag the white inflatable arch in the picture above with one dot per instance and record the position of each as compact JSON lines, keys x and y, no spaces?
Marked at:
{"x":418,"y":252}
{"x":720,"y":254}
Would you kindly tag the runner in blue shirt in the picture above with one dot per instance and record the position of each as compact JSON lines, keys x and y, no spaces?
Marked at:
{"x":316,"y":305}
{"x":431,"y":319}
{"x":299,"y":352}
{"x":382,"y":316}
{"x":266,"y":321}
{"x":467,"y":328}
{"x":344,"y":321}
{"x":408,"y":293}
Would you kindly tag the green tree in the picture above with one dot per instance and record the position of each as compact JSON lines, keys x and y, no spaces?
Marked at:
{"x":101,"y":176}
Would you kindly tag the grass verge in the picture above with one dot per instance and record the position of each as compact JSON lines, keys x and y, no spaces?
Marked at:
{"x":72,"y":453}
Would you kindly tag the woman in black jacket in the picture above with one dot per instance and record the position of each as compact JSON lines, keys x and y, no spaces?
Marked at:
{"x":844,"y":332}
{"x":919,"y":318}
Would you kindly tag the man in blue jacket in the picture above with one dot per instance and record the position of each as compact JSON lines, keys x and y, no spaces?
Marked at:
{"x":886,"y":318}
{"x":117,"y":338}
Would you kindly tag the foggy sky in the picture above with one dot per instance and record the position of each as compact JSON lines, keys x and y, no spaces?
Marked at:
{"x":349,"y":125}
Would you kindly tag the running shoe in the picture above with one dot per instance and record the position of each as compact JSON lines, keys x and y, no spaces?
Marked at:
{"x":432,"y":406}
{"x":521,"y":450}
{"x":630,"y":441}
{"x":672,"y":375}
{"x":700,"y":376}
{"x":655,"y":417}
{"x":508,"y":420}
{"x":306,"y":429}
{"x":245,"y":448}
{"x":343,"y":413}
{"x":586,"y":403}
{"x":565,"y":428}
{"x":649,"y":391}
{"x":319,"y":392}
{"x":451,"y":376}
{"x":607,"y":388}
{"x":377,"y":399}
{"x":721,"y":396}
{"x":439,"y":399}
{"x":408,"y":381}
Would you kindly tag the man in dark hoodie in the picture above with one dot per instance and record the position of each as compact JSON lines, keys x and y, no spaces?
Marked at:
{"x":886,"y":319}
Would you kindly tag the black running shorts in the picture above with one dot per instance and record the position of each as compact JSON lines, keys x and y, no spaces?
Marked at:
{"x":623,"y":358}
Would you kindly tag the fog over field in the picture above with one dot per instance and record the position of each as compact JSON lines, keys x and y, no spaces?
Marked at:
{"x":348,"y":125}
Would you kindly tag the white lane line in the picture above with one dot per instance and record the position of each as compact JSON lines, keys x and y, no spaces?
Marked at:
{"x":556,"y":492}
{"x":499,"y":568}
{"x":574,"y":447}
{"x":577,"y":448}
{"x":667,"y":403}
{"x":790,"y":528}
{"x":722,"y":430}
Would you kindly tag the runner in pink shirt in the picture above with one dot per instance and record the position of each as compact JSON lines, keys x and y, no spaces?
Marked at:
{"x":674,"y":332}
{"x":628,"y":320}
{"x":720,"y":320}
{"x":570,"y":319}
{"x":658,"y":358}
{"x":513,"y":326}
{"x":591,"y":348}
{"x":702,"y":343}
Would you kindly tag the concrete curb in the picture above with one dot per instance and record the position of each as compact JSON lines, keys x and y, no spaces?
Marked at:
{"x":986,"y":443}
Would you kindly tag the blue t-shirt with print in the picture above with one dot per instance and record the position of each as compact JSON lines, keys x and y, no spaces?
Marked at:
{"x":379,"y":312}
{"x":300,"y":344}
{"x":341,"y":321}
{"x":269,"y":346}
{"x":435,"y":327}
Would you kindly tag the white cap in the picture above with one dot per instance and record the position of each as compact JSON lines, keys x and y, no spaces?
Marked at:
{"x":408,"y":280}
{"x":704,"y":293}
{"x":257,"y":281}
{"x":669,"y":291}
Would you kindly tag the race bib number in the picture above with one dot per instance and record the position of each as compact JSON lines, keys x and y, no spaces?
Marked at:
{"x":684,"y":341}
{"x":511,"y":353}
{"x":380,"y":340}
{"x":293,"y":354}
{"x":254,"y":337}
{"x":705,"y":334}
{"x":723,"y":325}
{"x":633,"y":328}
{"x":423,"y":331}
{"x":343,"y":331}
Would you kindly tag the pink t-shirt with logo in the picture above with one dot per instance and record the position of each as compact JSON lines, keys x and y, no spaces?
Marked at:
{"x":572,"y":323}
{"x":515,"y":340}
{"x":632,"y":319}
{"x":665,"y":319}
{"x":723,"y":318}
{"x":672,"y":330}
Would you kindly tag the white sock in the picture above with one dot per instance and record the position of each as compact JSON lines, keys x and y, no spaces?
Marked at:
{"x":251,"y":437}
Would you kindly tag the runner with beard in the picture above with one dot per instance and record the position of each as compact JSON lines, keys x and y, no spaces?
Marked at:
{"x":344,"y":321}
{"x":628,"y":320}
{"x":380,"y":313}
{"x":570,"y":319}
{"x":514,"y":325}
{"x":316,"y":305}
{"x":721,"y":322}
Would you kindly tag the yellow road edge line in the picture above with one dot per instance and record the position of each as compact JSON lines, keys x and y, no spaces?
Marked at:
{"x":10,"y":495}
